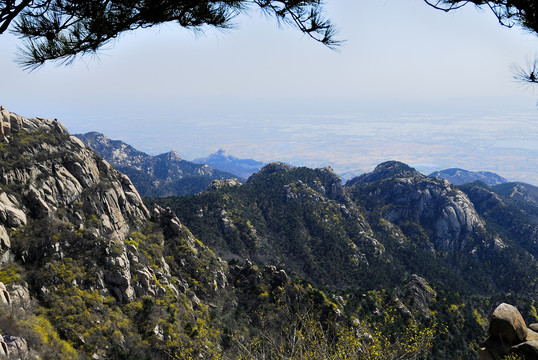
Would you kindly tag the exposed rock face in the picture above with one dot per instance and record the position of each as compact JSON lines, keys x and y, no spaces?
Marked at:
{"x":57,"y":171}
{"x":10,"y":214}
{"x":47,"y":174}
{"x":5,"y":243}
{"x":509,"y":335}
{"x":219,"y":183}
{"x":172,"y":227}
{"x":3,"y":347}
{"x":420,"y":294}
{"x":447,"y":213}
{"x":118,"y":274}
{"x":507,"y":326}
{"x":331,"y":183}
{"x":5,"y":123}
{"x":4,"y":295}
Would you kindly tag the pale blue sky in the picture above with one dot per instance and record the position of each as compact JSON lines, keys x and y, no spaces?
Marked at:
{"x":401,"y":58}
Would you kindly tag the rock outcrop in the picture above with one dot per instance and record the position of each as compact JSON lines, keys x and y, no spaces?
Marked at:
{"x":44,"y":170}
{"x":219,"y":183}
{"x":408,"y":196}
{"x":508,"y":334}
{"x":420,"y":294}
{"x":4,"y":295}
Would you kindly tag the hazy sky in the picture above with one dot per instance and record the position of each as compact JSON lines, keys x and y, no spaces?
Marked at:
{"x":400,"y":58}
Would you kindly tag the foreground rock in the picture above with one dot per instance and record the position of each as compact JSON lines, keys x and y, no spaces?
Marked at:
{"x":508,"y":334}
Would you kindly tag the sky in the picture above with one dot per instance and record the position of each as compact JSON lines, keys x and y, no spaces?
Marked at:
{"x":428,"y":88}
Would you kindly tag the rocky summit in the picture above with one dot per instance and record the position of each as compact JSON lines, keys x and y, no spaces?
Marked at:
{"x":44,"y":172}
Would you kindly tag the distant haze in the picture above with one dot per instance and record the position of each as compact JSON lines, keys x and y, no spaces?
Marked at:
{"x":411,"y":83}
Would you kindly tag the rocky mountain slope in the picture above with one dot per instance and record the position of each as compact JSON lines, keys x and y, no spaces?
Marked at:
{"x":223,"y":161}
{"x":303,"y":220}
{"x":410,"y":266}
{"x":88,"y":272}
{"x":518,"y":191}
{"x":460,"y":176}
{"x":376,"y":232}
{"x":162,"y":175}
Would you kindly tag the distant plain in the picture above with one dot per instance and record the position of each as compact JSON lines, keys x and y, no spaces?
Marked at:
{"x":501,"y":143}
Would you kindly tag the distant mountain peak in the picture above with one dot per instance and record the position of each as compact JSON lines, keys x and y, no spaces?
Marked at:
{"x":224,"y":161}
{"x":171,"y":155}
{"x":222,"y":153}
{"x":459,"y":176}
{"x":385,"y":170}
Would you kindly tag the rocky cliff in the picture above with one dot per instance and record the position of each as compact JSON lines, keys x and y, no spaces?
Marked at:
{"x":45,"y":172}
{"x":403,"y":195}
{"x":74,"y":232}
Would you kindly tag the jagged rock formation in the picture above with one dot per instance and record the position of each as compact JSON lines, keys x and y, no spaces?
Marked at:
{"x":405,"y":195}
{"x":420,"y":294}
{"x":223,"y":161}
{"x":162,"y":175}
{"x":460,"y":176}
{"x":56,"y":171}
{"x":508,"y":334}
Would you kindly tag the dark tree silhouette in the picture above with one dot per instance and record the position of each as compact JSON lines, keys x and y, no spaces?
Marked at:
{"x":509,"y":13}
{"x":64,"y":29}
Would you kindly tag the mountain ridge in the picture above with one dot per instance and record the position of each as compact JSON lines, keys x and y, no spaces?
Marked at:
{"x":459,"y":176}
{"x":161,"y":175}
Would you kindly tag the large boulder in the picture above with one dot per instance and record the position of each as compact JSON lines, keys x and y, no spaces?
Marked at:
{"x":509,"y":335}
{"x":507,"y":325}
